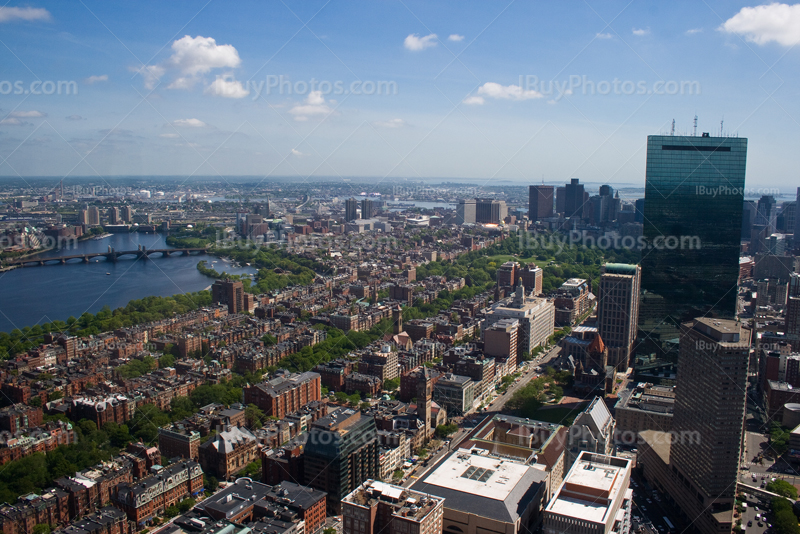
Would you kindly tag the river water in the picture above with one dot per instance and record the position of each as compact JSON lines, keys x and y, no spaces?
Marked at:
{"x":33,"y":295}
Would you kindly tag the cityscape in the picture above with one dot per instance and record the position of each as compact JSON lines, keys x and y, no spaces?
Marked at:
{"x":248,"y":290}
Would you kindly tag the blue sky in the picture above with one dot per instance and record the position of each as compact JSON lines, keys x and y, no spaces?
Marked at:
{"x":179,"y":88}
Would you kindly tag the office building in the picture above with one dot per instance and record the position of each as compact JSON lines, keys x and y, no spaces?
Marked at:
{"x":350,"y":210}
{"x":618,"y":311}
{"x":594,"y":498}
{"x":341,"y":453}
{"x":367,"y":208}
{"x":540,"y":202}
{"x":572,"y":301}
{"x":692,"y":228}
{"x":574,"y":198}
{"x":698,"y":468}
{"x":644,"y":406}
{"x":178,"y":441}
{"x":230,"y":293}
{"x":484,"y":492}
{"x":536,"y":318}
{"x":465,"y":211}
{"x":767,"y":213}
{"x":488,"y":211}
{"x":378,"y":508}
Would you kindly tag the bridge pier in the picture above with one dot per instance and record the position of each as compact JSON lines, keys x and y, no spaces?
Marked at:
{"x":62,"y":261}
{"x":86,"y":259}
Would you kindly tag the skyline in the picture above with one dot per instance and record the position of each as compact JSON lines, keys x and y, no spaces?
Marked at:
{"x":187,"y":96}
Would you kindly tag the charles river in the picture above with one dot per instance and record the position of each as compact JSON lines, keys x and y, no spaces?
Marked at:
{"x":34,"y":295}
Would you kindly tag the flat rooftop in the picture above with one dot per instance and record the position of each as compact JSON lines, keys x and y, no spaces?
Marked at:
{"x":591,"y":488}
{"x":482,"y":484}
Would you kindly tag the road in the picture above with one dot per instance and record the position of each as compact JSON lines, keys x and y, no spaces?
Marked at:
{"x":755,"y":443}
{"x":495,"y":405}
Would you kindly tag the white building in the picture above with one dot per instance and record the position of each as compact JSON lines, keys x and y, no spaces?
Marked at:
{"x":593,"y":499}
{"x":536,"y":316}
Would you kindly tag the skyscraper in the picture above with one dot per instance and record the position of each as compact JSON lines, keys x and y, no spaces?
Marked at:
{"x":699,"y":469}
{"x":618,"y":311}
{"x":367,"y":208}
{"x":465,"y":211}
{"x":540,"y":202}
{"x":692,"y":227}
{"x":574,"y":197}
{"x":490,"y":211}
{"x":341,"y":453}
{"x":228,"y":292}
{"x":350,"y":210}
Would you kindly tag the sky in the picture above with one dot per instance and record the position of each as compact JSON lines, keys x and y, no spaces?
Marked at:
{"x":521,"y":91}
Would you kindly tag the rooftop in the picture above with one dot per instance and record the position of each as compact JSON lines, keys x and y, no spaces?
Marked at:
{"x":404,"y":502}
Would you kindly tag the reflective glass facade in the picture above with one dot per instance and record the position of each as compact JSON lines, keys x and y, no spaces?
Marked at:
{"x":694,"y":194}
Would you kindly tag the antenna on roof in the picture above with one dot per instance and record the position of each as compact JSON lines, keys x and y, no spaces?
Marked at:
{"x":720,"y":125}
{"x":672,"y":132}
{"x":694,"y":133}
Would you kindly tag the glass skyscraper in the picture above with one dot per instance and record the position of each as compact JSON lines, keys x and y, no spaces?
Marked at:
{"x":694,"y":194}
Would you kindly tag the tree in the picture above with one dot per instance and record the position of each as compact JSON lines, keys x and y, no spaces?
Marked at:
{"x":167,"y":360}
{"x":391,"y":384}
{"x":210,"y":483}
{"x":171,"y":511}
{"x":398,"y":474}
{"x":785,"y":522}
{"x":783,"y":488}
{"x":186,"y":505}
{"x":254,"y":416}
{"x":42,"y":528}
{"x":444,"y":431}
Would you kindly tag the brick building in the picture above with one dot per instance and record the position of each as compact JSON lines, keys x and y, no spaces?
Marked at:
{"x":284,"y":394}
{"x":149,"y":497}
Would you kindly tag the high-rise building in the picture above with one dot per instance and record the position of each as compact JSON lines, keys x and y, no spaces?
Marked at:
{"x":699,"y":467}
{"x":90,"y":216}
{"x":639,"y":207}
{"x":536,"y":318}
{"x":574,"y":198}
{"x":767,"y":212}
{"x":367,"y":208}
{"x":465,"y":211}
{"x":490,"y":211}
{"x":127,"y":214}
{"x":114,"y":216}
{"x":379,"y":508}
{"x":341,"y":453}
{"x":561,"y":199}
{"x":540,"y":202}
{"x":229,"y":292}
{"x":692,"y":228}
{"x":350,"y":210}
{"x":532,"y":278}
{"x":618,"y":311}
{"x":500,"y":342}
{"x":507,"y":274}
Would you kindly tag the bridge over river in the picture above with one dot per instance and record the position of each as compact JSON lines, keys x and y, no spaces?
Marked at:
{"x":110,"y":255}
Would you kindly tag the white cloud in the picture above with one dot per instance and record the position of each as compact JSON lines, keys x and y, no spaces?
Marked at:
{"x":12,"y":121}
{"x":94,"y":79}
{"x":391,"y":123}
{"x":151,"y":74}
{"x":474,"y":100}
{"x":640,"y":31}
{"x":7,"y":14}
{"x":169,"y":135}
{"x":604,"y":36}
{"x":415,"y":43}
{"x":74,"y":118}
{"x":455,"y":37}
{"x":314,"y":105}
{"x":764,"y":24}
{"x":33,"y":114}
{"x":693,"y":31}
{"x":227,"y":87}
{"x":297,"y":153}
{"x":189,"y":123}
{"x":507,"y":92}
{"x":191,"y":58}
